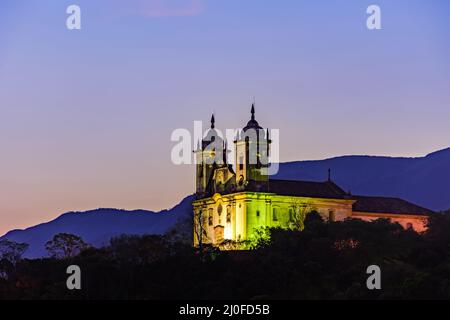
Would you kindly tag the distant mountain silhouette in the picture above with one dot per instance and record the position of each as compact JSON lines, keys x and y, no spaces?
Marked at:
{"x":424,"y":181}
{"x":97,"y":227}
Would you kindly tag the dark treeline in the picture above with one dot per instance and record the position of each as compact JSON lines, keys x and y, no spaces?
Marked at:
{"x":325,"y":261}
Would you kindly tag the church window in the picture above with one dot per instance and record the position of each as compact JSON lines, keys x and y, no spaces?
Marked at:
{"x":210,"y":217}
{"x":241,"y":163}
{"x":219,"y":209}
{"x":228,"y":214}
{"x":274,"y":214}
{"x":257,"y":213}
{"x":331,"y":216}
{"x":291,"y":214}
{"x":200,"y":219}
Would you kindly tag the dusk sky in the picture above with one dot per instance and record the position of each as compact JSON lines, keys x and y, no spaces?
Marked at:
{"x":86,"y":115}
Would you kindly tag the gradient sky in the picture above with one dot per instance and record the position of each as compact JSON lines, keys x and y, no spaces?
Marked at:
{"x":86,"y":116}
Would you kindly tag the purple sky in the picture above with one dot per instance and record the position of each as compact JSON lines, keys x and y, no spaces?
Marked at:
{"x":86,"y":116}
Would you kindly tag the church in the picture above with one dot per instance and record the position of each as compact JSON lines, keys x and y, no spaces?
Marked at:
{"x":233,"y":202}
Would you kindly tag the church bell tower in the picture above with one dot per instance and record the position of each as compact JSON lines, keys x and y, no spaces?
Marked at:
{"x":252,"y":153}
{"x":210,"y":154}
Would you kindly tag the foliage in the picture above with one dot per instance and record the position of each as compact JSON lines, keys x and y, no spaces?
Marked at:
{"x":325,"y":261}
{"x":64,"y":245}
{"x":233,"y":245}
{"x":199,"y":227}
{"x":259,"y":238}
{"x":298,"y":214}
{"x":12,"y":251}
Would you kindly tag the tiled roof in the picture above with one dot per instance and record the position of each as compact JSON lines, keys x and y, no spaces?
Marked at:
{"x":387,"y":205}
{"x":329,"y":190}
{"x":310,"y":189}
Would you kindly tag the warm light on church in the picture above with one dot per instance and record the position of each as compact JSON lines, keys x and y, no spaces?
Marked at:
{"x":232,"y":202}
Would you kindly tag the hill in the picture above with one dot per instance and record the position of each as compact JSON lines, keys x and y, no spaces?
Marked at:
{"x":97,"y":227}
{"x":424,"y":180}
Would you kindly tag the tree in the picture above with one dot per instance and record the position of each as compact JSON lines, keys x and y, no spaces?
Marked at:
{"x":199,"y":229}
{"x":297,"y":214}
{"x":138,"y":250}
{"x":232,"y":245}
{"x":64,"y":245}
{"x":12,"y":251}
{"x":182,"y":231}
{"x":260,"y":238}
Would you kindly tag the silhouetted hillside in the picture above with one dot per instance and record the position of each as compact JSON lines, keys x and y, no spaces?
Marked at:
{"x":323,"y":262}
{"x":425,"y":180}
{"x":96,"y":227}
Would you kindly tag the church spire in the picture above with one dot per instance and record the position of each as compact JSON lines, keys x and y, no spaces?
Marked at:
{"x":213,"y":121}
{"x":252,"y":123}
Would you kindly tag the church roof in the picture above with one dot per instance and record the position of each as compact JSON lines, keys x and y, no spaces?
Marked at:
{"x":310,"y":189}
{"x":330,"y":190}
{"x":388,"y":205}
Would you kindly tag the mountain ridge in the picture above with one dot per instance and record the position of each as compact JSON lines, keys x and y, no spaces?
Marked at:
{"x":431,"y":154}
{"x":98,"y":226}
{"x":421,"y":180}
{"x":424,"y":181}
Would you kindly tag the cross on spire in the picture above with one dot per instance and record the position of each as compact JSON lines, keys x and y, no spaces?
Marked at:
{"x":213,"y":121}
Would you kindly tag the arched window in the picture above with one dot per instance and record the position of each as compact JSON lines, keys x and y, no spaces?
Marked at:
{"x":199,"y":218}
{"x":291,"y":214}
{"x":210,"y":217}
{"x":204,"y":217}
{"x":228,"y":214}
{"x":274,"y":214}
{"x":331,"y":216}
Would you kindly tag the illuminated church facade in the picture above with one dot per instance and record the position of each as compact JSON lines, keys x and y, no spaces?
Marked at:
{"x":232,"y":203}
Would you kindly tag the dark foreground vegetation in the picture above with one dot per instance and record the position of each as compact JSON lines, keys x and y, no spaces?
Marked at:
{"x":325,"y":261}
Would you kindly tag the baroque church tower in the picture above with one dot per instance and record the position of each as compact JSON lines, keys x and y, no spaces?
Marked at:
{"x":211,"y":155}
{"x":252,"y":153}
{"x":215,"y":174}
